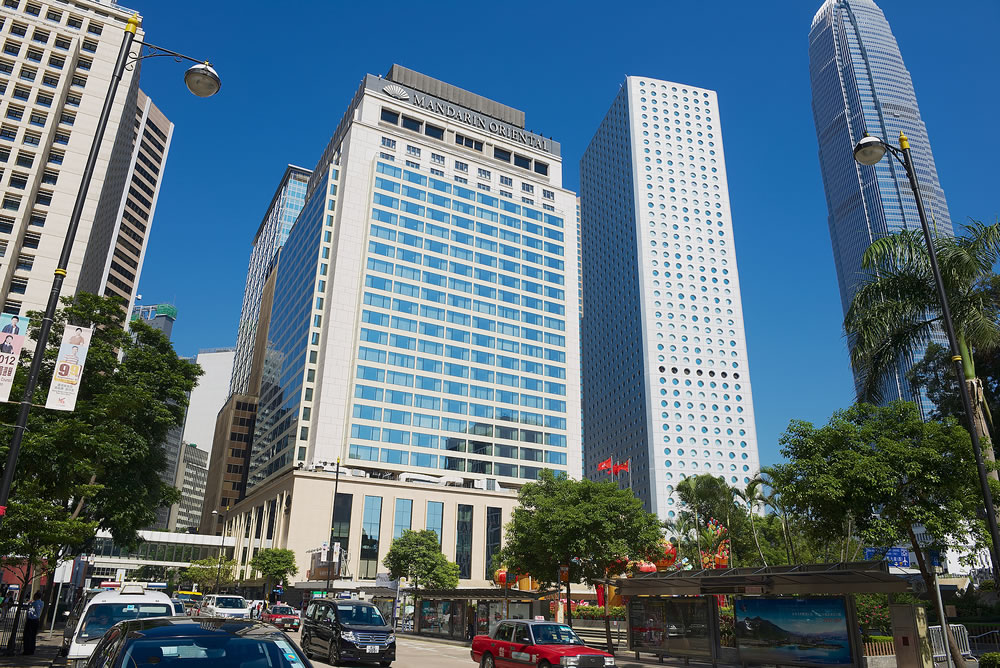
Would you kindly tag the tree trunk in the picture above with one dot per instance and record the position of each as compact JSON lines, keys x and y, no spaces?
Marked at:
{"x":925,"y":573}
{"x":753,"y":529}
{"x":978,"y":419}
{"x":607,"y":620}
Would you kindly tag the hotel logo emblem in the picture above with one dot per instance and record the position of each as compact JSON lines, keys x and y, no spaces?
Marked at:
{"x":396,"y":91}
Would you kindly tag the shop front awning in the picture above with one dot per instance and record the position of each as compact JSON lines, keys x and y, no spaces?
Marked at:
{"x":480,"y":594}
{"x":861,"y":577}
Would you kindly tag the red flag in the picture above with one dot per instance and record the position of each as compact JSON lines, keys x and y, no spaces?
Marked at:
{"x":621,"y":467}
{"x":600,"y":595}
{"x":605,"y":465}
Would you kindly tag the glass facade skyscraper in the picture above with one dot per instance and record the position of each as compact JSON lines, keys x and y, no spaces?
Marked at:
{"x":425,"y":315}
{"x":665,"y":373}
{"x":860,"y":85}
{"x":271,"y":235}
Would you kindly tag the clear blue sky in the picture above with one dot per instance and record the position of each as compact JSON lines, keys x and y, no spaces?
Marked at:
{"x":290,"y":68}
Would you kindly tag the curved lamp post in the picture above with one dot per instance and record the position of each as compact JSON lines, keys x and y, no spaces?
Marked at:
{"x":869,"y":151}
{"x":201,"y":80}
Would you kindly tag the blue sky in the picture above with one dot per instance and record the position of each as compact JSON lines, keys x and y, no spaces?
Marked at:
{"x":290,"y":69}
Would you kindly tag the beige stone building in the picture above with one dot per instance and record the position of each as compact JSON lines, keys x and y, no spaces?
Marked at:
{"x":56,"y":62}
{"x":296,"y":511}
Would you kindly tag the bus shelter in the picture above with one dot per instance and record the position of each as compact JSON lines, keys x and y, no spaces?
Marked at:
{"x":780,"y":615}
{"x":461,"y":613}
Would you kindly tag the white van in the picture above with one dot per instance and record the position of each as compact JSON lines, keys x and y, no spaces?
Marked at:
{"x":225,"y":605}
{"x":108,"y":608}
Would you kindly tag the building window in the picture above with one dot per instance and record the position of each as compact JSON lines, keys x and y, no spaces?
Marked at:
{"x":371,"y":525}
{"x":437,"y":172}
{"x":390,"y":116}
{"x":435,"y":518}
{"x":482,"y":186}
{"x":494,"y":517}
{"x":434,"y":131}
{"x":548,"y":194}
{"x":461,"y":166}
{"x":437,"y":158}
{"x":12,"y":307}
{"x":411,"y":124}
{"x":388,"y":143}
{"x":25,"y":262}
{"x":18,"y":285}
{"x":541,"y":168}
{"x":506,"y":181}
{"x":506,"y":193}
{"x":501,"y":154}
{"x":402,"y":519}
{"x":483,"y":173}
{"x":18,"y":180}
{"x":463,"y":541}
{"x":521,"y":161}
{"x":527,"y":200}
{"x":468,"y":142}
{"x":528,"y":188}
{"x":412,"y":150}
{"x":461,"y":179}
{"x":31,"y":240}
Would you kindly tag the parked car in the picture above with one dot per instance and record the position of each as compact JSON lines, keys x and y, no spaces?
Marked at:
{"x":224,"y":605}
{"x":347,"y":630}
{"x":521,"y":642}
{"x":73,"y":618}
{"x":108,"y":608}
{"x":221,"y":642}
{"x":282,"y":616}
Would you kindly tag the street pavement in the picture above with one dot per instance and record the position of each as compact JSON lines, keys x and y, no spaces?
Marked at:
{"x":419,"y":653}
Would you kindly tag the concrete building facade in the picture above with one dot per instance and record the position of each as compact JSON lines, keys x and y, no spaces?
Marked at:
{"x":208,"y":396}
{"x":666,"y":383}
{"x":55,"y":69}
{"x":192,"y":473}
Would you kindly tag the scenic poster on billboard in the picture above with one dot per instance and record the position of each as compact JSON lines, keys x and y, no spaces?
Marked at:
{"x":811,"y":631}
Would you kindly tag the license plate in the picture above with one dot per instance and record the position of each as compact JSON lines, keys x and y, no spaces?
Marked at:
{"x":372,"y":649}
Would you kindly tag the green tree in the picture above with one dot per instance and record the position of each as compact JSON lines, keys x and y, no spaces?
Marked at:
{"x":417,"y":556}
{"x":887,"y":471}
{"x":207,"y":573}
{"x":97,"y":466}
{"x":585,"y":525}
{"x":935,"y":376}
{"x":275,"y":564}
{"x":898,"y":308}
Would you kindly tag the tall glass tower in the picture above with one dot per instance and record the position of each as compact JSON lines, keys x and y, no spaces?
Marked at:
{"x":666,"y":382}
{"x":860,"y":85}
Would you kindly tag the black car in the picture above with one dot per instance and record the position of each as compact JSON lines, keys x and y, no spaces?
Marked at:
{"x":196,"y":642}
{"x":347,"y":630}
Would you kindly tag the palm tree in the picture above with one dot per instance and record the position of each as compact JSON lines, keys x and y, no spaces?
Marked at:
{"x":772,"y":499}
{"x":754,"y":498}
{"x":898,"y":308}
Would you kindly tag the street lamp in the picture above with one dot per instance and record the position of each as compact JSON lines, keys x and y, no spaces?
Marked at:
{"x":201,"y":80}
{"x":869,"y":151}
{"x":218,"y":569}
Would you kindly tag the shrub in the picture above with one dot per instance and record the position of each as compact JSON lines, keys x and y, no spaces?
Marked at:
{"x":987,"y":585}
{"x":597,"y":612}
{"x":990,"y":660}
{"x":880,"y":639}
{"x":873,"y":611}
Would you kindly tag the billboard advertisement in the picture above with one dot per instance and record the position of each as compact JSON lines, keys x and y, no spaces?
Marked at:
{"x":681,"y":626}
{"x":69,"y":368}
{"x":808,"y":631}
{"x":12,"y":332}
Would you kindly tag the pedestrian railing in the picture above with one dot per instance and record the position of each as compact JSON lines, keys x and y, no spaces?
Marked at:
{"x":880,"y":648}
{"x":987,"y":641}
{"x":12,"y":619}
{"x":961,"y":637}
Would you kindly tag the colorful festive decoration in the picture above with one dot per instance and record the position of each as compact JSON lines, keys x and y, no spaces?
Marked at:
{"x":716,"y":537}
{"x":500,"y":577}
{"x":668,"y":556}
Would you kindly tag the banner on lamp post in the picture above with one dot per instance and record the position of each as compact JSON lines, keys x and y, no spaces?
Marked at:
{"x":12,"y":331}
{"x":69,"y":368}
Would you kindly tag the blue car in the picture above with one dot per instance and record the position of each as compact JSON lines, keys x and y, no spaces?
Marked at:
{"x":196,"y":642}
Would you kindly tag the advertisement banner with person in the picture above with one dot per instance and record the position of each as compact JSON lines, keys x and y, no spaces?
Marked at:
{"x":69,"y":368}
{"x":12,"y":332}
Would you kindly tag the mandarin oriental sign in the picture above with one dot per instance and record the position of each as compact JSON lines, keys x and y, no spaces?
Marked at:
{"x":458,"y":113}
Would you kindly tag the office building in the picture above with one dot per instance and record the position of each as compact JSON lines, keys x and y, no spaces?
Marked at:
{"x":55,"y":69}
{"x":861,"y":86}
{"x":192,"y":472}
{"x":208,"y":396}
{"x":158,"y":316}
{"x":666,"y":384}
{"x":424,"y":326}
{"x":271,"y":235}
{"x":117,"y":247}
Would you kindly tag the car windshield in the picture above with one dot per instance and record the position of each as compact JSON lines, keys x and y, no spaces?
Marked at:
{"x":223,"y":652}
{"x":555,"y":634}
{"x":102,"y":616}
{"x":230,"y":602}
{"x":281,"y":610}
{"x":360,"y":614}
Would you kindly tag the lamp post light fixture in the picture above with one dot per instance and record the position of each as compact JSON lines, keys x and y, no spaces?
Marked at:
{"x":869,"y":151}
{"x":203,"y":81}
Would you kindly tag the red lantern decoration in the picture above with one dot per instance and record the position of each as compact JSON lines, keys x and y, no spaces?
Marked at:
{"x":668,"y":558}
{"x":500,"y":577}
{"x":647,"y":567}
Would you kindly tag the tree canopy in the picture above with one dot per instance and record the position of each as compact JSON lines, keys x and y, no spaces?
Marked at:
{"x":586,"y":525}
{"x":275,"y":564}
{"x":98,"y":466}
{"x":417,"y":556}
{"x":206,"y":572}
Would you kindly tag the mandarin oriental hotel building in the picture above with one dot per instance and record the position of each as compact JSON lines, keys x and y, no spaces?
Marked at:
{"x":424,"y":330}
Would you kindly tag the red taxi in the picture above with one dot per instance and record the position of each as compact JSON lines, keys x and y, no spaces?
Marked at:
{"x":519,"y":642}
{"x":282,"y":616}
